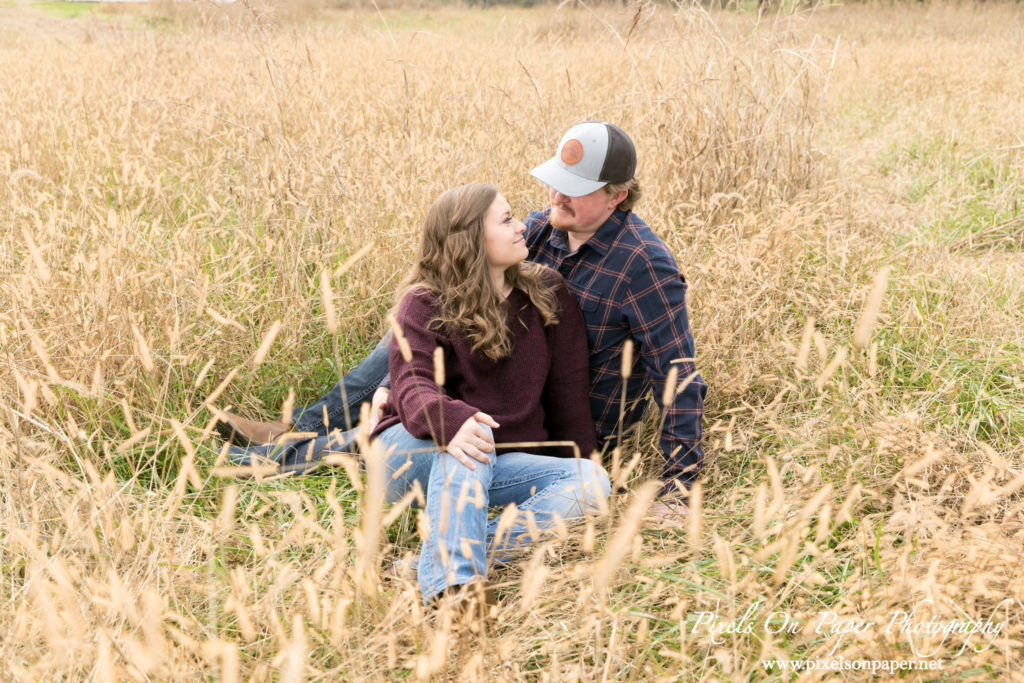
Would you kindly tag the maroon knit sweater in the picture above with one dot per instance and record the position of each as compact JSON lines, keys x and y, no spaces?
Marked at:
{"x":540,"y":392}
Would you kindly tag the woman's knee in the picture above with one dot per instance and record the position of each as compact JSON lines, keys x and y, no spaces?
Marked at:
{"x":454,"y":472}
{"x":594,"y":484}
{"x":481,"y":471}
{"x":398,"y":480}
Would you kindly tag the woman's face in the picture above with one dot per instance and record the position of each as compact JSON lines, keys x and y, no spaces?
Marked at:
{"x":504,"y":236}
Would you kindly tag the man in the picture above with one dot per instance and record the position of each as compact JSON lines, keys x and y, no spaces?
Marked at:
{"x":629,"y":288}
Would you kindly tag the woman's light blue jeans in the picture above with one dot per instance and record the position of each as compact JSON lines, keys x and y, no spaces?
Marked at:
{"x":461,"y":539}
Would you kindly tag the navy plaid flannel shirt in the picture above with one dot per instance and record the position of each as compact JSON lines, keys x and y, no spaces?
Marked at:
{"x":630,"y":287}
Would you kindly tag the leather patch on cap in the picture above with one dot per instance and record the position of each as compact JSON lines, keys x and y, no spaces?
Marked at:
{"x":572,"y":152}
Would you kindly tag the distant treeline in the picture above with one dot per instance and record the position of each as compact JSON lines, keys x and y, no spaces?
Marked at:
{"x":738,"y":5}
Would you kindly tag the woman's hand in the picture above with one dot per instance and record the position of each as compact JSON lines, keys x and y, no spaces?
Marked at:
{"x":472,"y":441}
{"x":380,"y":397}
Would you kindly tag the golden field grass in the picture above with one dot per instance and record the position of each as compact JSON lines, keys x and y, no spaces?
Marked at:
{"x":841,"y":187}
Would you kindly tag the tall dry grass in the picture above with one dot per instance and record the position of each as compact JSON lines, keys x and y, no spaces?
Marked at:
{"x":179,"y":201}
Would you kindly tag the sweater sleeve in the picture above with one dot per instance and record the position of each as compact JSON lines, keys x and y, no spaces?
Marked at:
{"x":422,"y":406}
{"x":566,"y":397}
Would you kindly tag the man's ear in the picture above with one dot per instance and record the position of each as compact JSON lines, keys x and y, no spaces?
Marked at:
{"x":615,"y":199}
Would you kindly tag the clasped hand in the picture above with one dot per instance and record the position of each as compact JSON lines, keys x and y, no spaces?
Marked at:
{"x":473,"y":441}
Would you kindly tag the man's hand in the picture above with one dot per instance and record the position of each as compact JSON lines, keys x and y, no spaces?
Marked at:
{"x":667,"y":512}
{"x":380,"y":397}
{"x":472,"y":441}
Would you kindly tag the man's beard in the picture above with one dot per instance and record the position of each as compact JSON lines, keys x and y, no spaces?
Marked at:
{"x":561,"y":218}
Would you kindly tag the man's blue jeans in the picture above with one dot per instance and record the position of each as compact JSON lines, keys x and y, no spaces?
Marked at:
{"x":341,"y":404}
{"x":332,"y":417}
{"x":461,"y":539}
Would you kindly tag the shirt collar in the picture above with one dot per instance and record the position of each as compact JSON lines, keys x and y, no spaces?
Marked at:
{"x":599,"y":242}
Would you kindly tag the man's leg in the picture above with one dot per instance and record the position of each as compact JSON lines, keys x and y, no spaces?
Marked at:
{"x":300,"y":456}
{"x":339,"y":408}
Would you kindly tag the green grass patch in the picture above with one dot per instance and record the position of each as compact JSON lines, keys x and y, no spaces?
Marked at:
{"x":971,"y":387}
{"x":967,"y":195}
{"x":68,"y":10}
{"x":425,"y":20}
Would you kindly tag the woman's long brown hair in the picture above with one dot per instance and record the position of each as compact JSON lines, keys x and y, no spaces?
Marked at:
{"x":452,"y":264}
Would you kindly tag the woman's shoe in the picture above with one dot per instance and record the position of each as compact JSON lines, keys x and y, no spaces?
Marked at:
{"x":471,"y":605}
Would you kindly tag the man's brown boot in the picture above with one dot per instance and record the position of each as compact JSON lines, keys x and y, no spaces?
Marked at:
{"x":242,"y":432}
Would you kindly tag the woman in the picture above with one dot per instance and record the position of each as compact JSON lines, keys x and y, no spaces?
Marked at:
{"x":515,"y":370}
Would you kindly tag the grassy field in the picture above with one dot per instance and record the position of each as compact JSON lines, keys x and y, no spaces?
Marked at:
{"x":842,"y":188}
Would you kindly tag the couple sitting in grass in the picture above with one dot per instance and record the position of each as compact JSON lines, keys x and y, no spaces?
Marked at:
{"x":528,"y":354}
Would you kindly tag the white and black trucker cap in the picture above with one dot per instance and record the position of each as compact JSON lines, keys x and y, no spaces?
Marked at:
{"x":591,"y":155}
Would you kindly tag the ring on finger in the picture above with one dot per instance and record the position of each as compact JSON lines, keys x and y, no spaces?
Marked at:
{"x":479,"y":442}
